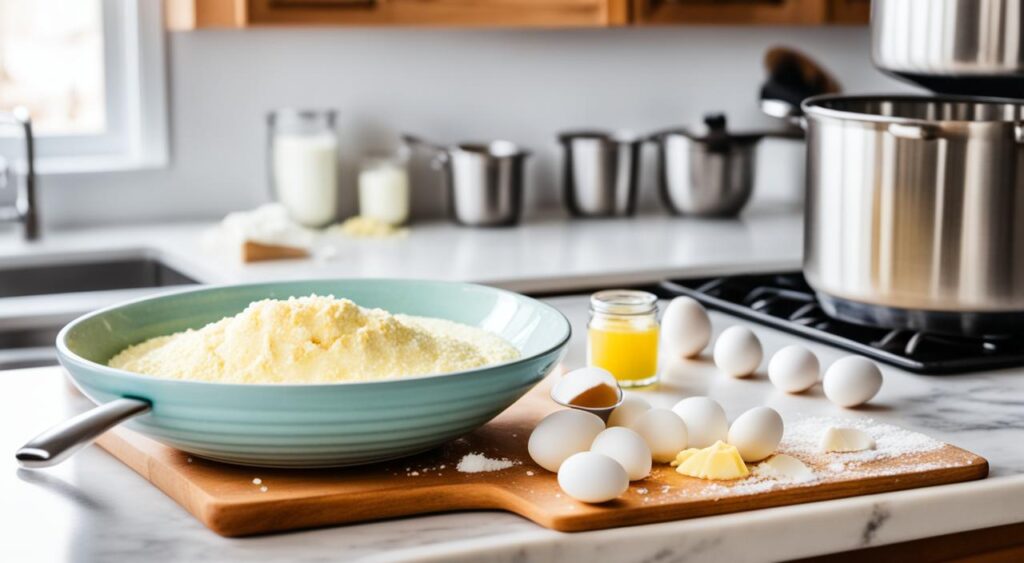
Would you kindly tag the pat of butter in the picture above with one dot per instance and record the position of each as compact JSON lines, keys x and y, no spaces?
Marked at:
{"x":717,"y":461}
{"x":846,"y":440}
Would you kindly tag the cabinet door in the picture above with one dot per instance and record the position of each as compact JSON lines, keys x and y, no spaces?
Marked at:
{"x":773,"y":12}
{"x":849,"y":11}
{"x":495,"y":13}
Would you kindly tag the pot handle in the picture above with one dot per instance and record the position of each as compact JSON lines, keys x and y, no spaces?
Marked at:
{"x":440,"y":156}
{"x":62,"y":441}
{"x":913,"y":132}
{"x":415,"y":141}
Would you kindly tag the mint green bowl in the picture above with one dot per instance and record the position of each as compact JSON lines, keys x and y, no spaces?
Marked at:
{"x":316,"y":425}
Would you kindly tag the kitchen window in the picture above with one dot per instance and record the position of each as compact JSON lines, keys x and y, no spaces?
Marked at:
{"x":92,"y":75}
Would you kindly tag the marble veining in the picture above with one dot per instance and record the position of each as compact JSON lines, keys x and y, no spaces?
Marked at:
{"x":880,"y":514}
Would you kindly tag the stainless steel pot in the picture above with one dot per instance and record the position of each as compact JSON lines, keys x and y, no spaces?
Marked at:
{"x":709,"y":174}
{"x":951,"y":46}
{"x":484,"y":181}
{"x":915,"y":211}
{"x":600,"y":172}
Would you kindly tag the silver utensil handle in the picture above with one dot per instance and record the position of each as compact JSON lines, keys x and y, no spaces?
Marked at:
{"x":60,"y":442}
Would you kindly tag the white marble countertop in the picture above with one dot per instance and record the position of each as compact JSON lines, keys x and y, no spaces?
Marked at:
{"x":94,"y":509}
{"x":542,"y":255}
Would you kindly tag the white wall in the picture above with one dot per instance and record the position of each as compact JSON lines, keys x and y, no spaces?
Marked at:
{"x":446,"y":85}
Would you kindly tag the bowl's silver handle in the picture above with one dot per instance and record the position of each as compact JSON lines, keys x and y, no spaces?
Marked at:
{"x":60,"y":442}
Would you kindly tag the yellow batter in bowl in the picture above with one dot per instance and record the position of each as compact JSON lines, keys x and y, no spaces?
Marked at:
{"x":315,"y":339}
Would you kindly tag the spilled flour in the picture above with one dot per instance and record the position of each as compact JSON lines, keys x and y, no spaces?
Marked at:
{"x":479,"y":463}
{"x":801,"y":440}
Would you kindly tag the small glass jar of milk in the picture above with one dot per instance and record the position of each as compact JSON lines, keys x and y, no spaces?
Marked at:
{"x":384,"y":187}
{"x":304,"y":164}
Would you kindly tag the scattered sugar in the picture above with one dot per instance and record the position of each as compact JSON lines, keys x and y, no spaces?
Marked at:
{"x":530,"y":474}
{"x":263,"y":489}
{"x":414,"y":473}
{"x":479,"y":463}
{"x":188,"y":459}
{"x":642,"y":490}
{"x":257,"y":481}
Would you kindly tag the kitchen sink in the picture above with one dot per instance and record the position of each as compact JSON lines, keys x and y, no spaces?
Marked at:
{"x":38,"y":299}
{"x":28,"y":347}
{"x":89,"y":276}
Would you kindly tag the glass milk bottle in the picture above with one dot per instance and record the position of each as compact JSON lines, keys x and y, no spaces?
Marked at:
{"x":384,"y":188}
{"x":304,"y":164}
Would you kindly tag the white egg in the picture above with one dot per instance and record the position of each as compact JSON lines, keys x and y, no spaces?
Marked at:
{"x":626,"y":447}
{"x":852,"y":381}
{"x":794,"y":369}
{"x":592,"y":477}
{"x":705,"y":421}
{"x":632,"y":406}
{"x":738,"y":352}
{"x":664,"y":432}
{"x":756,"y":433}
{"x":578,"y":382}
{"x":685,"y":328}
{"x":562,"y":434}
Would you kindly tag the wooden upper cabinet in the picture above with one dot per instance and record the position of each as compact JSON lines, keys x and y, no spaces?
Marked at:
{"x":849,"y":11}
{"x":197,"y":14}
{"x":194,"y":14}
{"x":755,"y":12}
{"x":765,"y":12}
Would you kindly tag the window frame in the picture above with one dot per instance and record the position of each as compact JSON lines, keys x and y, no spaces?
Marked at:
{"x":135,"y":97}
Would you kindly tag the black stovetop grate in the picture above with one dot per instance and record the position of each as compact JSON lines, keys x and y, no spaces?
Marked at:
{"x":785,"y":301}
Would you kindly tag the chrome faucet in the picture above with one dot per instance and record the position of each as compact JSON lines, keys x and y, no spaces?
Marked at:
{"x":24,"y":208}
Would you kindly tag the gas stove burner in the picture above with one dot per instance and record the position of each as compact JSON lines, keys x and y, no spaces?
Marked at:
{"x":785,"y":301}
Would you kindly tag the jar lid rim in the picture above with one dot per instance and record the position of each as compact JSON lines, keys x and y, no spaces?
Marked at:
{"x":624,"y":301}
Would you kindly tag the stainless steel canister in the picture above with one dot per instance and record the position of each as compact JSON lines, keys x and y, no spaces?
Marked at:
{"x":952,"y":46}
{"x":600,"y":173}
{"x":915,"y":211}
{"x":484,"y":181}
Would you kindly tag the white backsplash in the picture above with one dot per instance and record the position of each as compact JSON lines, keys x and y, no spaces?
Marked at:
{"x":446,"y":85}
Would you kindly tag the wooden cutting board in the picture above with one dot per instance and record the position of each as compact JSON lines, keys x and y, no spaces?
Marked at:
{"x":230,"y":501}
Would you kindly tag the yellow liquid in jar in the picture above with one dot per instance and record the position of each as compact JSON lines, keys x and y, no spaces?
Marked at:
{"x":631,"y":355}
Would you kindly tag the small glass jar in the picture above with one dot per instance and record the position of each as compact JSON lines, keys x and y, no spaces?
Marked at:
{"x":304,"y":164}
{"x":384,"y":187}
{"x":622,"y":336}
